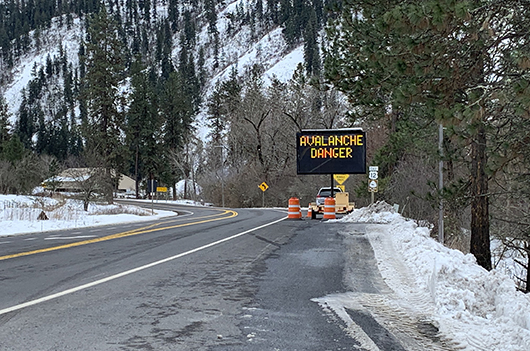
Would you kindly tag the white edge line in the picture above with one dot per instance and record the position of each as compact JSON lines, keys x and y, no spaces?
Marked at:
{"x":131,"y":271}
{"x":69,"y":237}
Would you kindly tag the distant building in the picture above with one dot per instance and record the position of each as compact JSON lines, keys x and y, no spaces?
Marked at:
{"x":70,"y":180}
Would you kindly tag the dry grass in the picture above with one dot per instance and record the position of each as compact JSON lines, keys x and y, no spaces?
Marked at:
{"x":120,"y":209}
{"x":60,"y":209}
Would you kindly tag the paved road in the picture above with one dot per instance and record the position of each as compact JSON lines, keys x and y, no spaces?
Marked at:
{"x":208,"y":279}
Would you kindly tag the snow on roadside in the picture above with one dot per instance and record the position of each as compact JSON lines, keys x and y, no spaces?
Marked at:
{"x":479,"y":310}
{"x":18,"y":214}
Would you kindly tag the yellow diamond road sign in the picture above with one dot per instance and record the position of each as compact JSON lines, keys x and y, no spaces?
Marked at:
{"x":263,"y":186}
{"x":341,"y":178}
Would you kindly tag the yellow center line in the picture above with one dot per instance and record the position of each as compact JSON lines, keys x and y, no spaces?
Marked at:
{"x":143,"y":230}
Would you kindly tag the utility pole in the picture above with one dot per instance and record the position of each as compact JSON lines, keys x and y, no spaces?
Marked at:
{"x":441,"y":184}
{"x":222,"y":175}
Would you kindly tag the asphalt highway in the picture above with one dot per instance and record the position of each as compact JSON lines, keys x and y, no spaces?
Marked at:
{"x":208,"y":279}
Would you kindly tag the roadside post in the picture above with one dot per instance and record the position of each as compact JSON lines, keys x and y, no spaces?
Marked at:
{"x":263,"y":186}
{"x":151,"y":189}
{"x":372,"y":181}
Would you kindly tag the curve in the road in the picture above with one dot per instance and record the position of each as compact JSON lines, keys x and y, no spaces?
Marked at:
{"x":147,"y":229}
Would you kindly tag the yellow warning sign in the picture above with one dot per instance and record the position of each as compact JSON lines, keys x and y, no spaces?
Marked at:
{"x":341,"y":178}
{"x":263,"y":186}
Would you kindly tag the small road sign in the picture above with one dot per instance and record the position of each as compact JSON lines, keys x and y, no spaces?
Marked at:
{"x":161,"y":189}
{"x":341,"y":178}
{"x":342,"y":187}
{"x":373,"y":168}
{"x":263,"y":186}
{"x":152,"y":184}
{"x":372,"y":186}
{"x":372,"y":175}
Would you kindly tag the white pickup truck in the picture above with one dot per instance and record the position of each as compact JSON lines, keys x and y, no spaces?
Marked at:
{"x":342,"y":201}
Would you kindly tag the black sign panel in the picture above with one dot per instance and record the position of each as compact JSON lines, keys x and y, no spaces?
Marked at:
{"x":152,"y":184}
{"x":331,"y":151}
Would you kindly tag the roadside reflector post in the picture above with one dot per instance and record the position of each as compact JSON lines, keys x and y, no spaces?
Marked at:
{"x":329,"y":208}
{"x":294,"y":209}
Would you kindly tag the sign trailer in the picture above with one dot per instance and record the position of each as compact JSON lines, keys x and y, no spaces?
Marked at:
{"x":331,"y":151}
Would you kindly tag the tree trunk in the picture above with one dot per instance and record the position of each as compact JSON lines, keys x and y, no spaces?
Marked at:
{"x":86,"y":202}
{"x":480,"y":224}
{"x":527,"y":252}
{"x":136,"y":185}
{"x":109,"y":188}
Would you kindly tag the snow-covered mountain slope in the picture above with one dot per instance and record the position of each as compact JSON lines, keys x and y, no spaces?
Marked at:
{"x":237,"y":50}
{"x":50,"y":42}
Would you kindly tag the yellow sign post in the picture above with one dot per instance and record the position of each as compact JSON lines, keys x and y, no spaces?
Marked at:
{"x":263,"y":186}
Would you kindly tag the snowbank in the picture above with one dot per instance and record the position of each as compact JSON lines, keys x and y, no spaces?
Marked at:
{"x":480,"y":310}
{"x":19,"y":214}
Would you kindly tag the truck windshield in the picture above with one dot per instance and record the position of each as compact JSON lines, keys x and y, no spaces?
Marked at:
{"x":327,"y":192}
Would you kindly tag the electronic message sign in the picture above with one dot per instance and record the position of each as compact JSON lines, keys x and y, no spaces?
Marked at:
{"x":331,"y":151}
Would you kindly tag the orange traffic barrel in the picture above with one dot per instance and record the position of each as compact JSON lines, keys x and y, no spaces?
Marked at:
{"x":329,"y":208}
{"x":294,"y":208}
{"x":309,"y":211}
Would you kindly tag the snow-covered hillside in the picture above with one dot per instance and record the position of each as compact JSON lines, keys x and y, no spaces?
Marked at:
{"x":51,"y":41}
{"x":237,"y":50}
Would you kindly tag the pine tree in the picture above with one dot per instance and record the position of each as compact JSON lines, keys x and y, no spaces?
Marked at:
{"x":273,"y":12}
{"x":189,"y":75}
{"x":173,"y":14}
{"x":449,"y":62}
{"x":216,"y":122}
{"x":178,"y":112}
{"x":259,"y":11}
{"x":104,"y":64}
{"x":190,"y":31}
{"x":144,"y":136}
{"x":14,"y":150}
{"x":311,"y":49}
{"x":203,"y":74}
{"x":25,"y":124}
{"x":211,"y":15}
{"x":4,"y":125}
